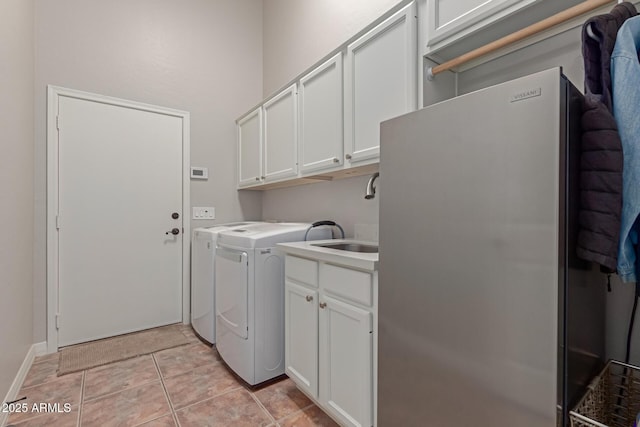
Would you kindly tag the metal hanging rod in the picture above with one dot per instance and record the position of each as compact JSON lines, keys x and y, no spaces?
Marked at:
{"x":558,"y":18}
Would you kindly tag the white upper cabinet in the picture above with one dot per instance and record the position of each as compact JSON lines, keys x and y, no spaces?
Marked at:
{"x":280,"y":144}
{"x":451,"y":23}
{"x":380,"y":82}
{"x":321,"y":113}
{"x":249,"y":130}
{"x":326,"y":124}
{"x":453,"y":19}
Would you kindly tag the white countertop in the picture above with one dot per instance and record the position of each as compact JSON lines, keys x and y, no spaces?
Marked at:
{"x":361,"y":260}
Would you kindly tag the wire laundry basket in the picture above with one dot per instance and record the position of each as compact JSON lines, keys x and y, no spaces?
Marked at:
{"x":612,"y":399}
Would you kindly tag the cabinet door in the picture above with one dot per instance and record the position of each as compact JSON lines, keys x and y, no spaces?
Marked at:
{"x":346,"y":362}
{"x":321,"y":117}
{"x":449,"y":17}
{"x":380,"y":82}
{"x":281,"y":136}
{"x":301,"y":337}
{"x":249,"y":130}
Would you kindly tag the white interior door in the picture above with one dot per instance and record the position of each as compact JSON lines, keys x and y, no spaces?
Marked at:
{"x":119,"y":183}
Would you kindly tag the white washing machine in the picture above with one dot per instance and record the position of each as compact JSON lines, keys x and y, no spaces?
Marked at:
{"x":249,"y":290}
{"x":203,"y":252}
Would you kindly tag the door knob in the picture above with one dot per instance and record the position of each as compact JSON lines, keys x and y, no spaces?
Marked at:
{"x":347,"y":156}
{"x":309,"y":298}
{"x":323,"y":304}
{"x":174,"y":231}
{"x":175,"y":215}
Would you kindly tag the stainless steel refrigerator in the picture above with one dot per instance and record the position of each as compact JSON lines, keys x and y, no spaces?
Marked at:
{"x":486,"y":316}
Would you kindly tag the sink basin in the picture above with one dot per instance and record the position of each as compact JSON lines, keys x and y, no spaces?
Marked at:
{"x":351,"y":247}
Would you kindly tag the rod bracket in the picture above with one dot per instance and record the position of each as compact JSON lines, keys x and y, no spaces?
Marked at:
{"x":429,"y":73}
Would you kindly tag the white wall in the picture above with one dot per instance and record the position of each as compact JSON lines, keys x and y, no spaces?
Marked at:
{"x":563,"y":50}
{"x":297,"y":34}
{"x":202,"y":56}
{"x":342,"y":201}
{"x":16,"y":186}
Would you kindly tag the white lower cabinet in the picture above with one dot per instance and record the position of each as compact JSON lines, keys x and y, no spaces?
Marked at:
{"x":346,"y":362}
{"x":301,"y":330}
{"x":329,"y":338}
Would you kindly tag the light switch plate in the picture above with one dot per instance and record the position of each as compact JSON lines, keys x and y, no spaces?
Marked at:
{"x":204,"y":213}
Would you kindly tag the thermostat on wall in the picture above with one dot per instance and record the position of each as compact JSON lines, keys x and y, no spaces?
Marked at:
{"x":199,"y":173}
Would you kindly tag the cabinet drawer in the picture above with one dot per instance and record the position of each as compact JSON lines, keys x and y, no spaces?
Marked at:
{"x":353,"y":285}
{"x":302,"y":270}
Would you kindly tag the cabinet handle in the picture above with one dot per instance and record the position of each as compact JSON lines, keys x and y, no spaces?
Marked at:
{"x":336,"y":160}
{"x":262,"y":178}
{"x":347,"y":156}
{"x":257,"y":178}
{"x":309,"y":298}
{"x":323,"y":304}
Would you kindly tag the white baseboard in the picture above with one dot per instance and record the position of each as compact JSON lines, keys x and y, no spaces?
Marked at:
{"x":35,"y":350}
{"x":40,"y":348}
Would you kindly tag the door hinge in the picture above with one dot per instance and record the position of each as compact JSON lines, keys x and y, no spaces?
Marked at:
{"x":58,"y":122}
{"x":57,"y":222}
{"x":58,"y":321}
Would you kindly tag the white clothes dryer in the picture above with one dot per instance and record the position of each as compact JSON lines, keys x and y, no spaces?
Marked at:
{"x":203,"y":252}
{"x":249,"y":276}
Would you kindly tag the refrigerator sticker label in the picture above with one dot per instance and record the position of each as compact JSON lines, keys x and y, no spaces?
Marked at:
{"x":531,"y":93}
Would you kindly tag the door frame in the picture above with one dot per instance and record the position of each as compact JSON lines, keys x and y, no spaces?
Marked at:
{"x":53,"y":95}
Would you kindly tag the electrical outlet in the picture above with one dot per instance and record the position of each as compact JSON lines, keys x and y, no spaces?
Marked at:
{"x":204,"y":213}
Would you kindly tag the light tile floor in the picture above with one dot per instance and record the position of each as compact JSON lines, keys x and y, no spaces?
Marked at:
{"x":184,"y":386}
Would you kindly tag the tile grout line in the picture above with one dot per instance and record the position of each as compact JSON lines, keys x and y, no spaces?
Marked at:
{"x":172,"y":410}
{"x":213,"y":397}
{"x":90,"y":399}
{"x":39,"y":380}
{"x":214,"y":362}
{"x":186,"y":372}
{"x":81,"y":403}
{"x":251,"y":393}
{"x":41,"y":414}
{"x":111,"y":393}
{"x":57,"y":378}
{"x":42,"y":359}
{"x":299,"y":411}
{"x":309,"y":406}
{"x":129,"y":389}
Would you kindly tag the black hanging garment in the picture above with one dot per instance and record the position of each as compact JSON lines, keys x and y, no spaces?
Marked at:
{"x":601,"y":158}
